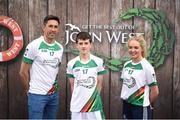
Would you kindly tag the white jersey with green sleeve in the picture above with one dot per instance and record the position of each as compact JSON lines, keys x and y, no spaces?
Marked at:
{"x":85,"y":96}
{"x":137,"y":78}
{"x":45,"y":59}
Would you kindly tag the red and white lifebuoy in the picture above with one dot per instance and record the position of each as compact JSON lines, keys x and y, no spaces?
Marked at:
{"x":17,"y":45}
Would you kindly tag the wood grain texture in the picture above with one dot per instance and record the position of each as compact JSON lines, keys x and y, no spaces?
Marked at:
{"x":17,"y":97}
{"x":163,"y":104}
{"x":37,"y":12}
{"x":176,"y":69}
{"x":3,"y":66}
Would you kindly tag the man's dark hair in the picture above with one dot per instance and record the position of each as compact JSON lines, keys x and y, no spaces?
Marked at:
{"x":51,"y":17}
{"x":83,"y":36}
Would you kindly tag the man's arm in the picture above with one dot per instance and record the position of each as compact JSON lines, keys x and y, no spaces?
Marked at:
{"x":154,"y":92}
{"x":71,"y":80}
{"x":24,"y":73}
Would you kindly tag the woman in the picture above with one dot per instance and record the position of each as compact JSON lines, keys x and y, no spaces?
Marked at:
{"x":139,"y":89}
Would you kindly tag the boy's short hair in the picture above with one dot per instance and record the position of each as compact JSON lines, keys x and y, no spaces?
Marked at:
{"x":83,"y":36}
{"x":51,"y":17}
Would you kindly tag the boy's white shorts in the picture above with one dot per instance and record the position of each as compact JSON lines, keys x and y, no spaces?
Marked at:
{"x":86,"y":115}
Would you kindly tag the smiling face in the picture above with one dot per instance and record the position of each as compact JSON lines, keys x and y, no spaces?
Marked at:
{"x":84,"y":46}
{"x":50,"y":29}
{"x":135,"y":50}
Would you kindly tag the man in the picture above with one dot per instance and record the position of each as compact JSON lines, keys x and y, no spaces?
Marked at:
{"x":85,"y":73}
{"x":39,"y":70}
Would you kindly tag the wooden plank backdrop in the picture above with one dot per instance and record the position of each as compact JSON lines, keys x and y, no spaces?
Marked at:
{"x":29,"y":15}
{"x":176,"y":69}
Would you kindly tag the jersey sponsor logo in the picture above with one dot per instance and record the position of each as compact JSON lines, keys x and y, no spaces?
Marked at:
{"x":54,"y":63}
{"x":76,"y":70}
{"x":87,"y":83}
{"x":130,"y":83}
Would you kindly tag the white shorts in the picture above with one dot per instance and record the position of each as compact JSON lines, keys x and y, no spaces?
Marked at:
{"x":86,"y":115}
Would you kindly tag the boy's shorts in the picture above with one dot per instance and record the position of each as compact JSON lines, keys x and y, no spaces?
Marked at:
{"x":96,"y":115}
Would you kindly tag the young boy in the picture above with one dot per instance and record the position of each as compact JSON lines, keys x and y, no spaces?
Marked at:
{"x":85,"y":73}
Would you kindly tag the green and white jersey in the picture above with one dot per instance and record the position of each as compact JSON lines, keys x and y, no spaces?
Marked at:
{"x":137,"y":78}
{"x":45,"y":59}
{"x":85,"y":96}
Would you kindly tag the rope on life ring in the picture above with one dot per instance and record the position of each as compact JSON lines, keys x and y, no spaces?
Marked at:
{"x":17,"y":45}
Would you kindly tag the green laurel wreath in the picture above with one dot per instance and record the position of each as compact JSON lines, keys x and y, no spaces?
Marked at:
{"x":163,"y":38}
{"x":161,"y":45}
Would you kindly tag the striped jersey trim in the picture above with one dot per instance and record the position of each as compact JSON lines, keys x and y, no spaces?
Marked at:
{"x":70,"y":75}
{"x":26,"y":60}
{"x":94,"y":103}
{"x":102,"y":72}
{"x":137,"y":97}
{"x":153,"y":84}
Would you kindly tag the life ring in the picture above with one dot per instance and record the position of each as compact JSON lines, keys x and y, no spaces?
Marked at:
{"x":17,"y":45}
